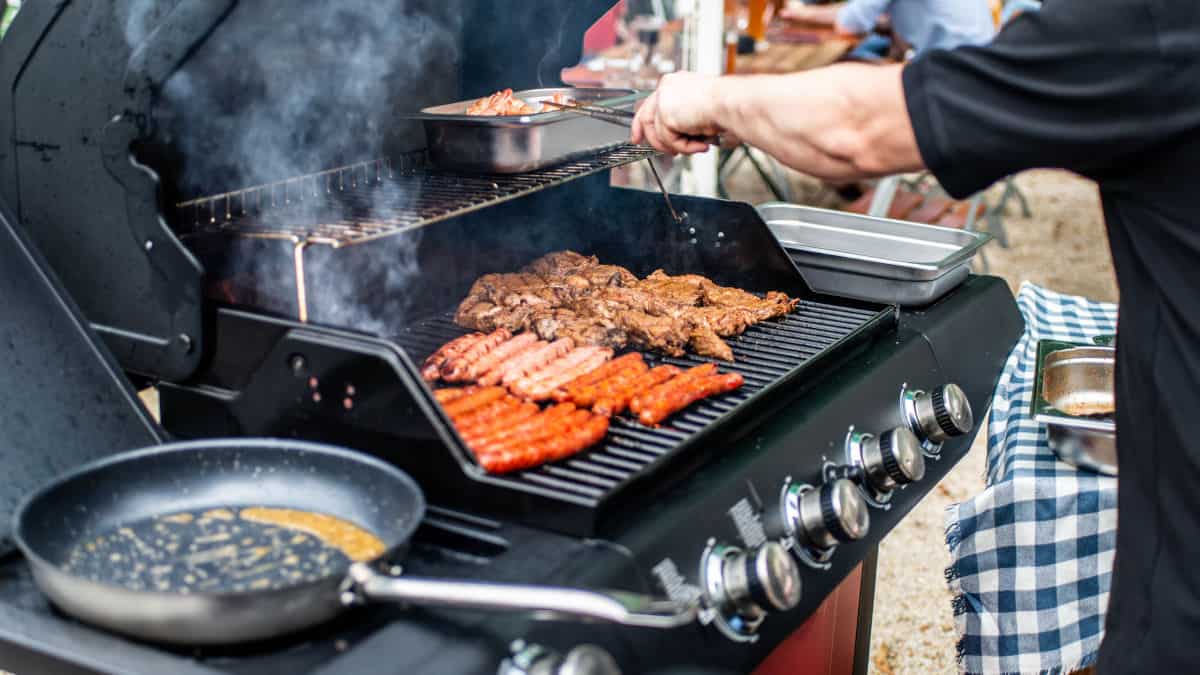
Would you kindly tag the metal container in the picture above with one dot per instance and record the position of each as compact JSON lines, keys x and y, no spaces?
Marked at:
{"x":1074,"y":397}
{"x":874,"y":259}
{"x":516,"y":144}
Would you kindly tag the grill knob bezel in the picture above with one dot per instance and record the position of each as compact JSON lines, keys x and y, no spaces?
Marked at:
{"x":901,"y":460}
{"x":831,"y":514}
{"x":740,"y":587}
{"x":938,"y":416}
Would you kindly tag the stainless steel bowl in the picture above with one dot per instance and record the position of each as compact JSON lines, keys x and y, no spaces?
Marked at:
{"x":1075,"y":399}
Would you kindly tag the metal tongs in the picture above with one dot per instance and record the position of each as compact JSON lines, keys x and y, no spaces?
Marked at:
{"x":625,"y":118}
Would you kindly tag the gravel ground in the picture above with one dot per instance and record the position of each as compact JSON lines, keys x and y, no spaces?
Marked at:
{"x":1063,"y":246}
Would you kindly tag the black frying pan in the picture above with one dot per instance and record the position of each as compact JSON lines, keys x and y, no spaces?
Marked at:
{"x":108,"y":545}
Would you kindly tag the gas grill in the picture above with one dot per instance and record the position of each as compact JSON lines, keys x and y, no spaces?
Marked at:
{"x":297,"y":305}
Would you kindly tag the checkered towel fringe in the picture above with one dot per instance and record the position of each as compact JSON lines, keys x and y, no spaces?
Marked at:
{"x":1031,"y":556}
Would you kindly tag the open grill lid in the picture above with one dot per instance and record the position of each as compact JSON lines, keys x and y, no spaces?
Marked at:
{"x":122,"y":106}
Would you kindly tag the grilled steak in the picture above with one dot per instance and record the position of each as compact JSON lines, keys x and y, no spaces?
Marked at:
{"x":569,"y":295}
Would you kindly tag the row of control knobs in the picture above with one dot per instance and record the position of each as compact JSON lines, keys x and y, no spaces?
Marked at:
{"x":741,"y":586}
{"x":819,"y":518}
{"x":744,"y":585}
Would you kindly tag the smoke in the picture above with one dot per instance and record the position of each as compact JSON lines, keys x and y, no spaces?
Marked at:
{"x":284,"y":88}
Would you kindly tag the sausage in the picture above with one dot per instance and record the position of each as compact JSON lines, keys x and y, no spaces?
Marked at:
{"x":458,"y":368}
{"x":648,"y":398}
{"x":543,"y":428}
{"x":431,"y":368}
{"x":473,"y":401}
{"x":544,"y":388}
{"x":588,"y":394}
{"x":616,"y":402}
{"x":501,"y":434}
{"x":558,"y":371}
{"x":487,"y":413}
{"x":621,"y":381}
{"x":493,"y":375}
{"x":501,"y":354}
{"x":680,"y":396}
{"x":559,"y":446}
{"x":601,"y":373}
{"x":513,"y":412}
{"x":530,"y":430}
{"x":535,"y":361}
{"x":451,"y":393}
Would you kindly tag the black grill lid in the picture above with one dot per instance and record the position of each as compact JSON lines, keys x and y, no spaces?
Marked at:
{"x":63,"y":401}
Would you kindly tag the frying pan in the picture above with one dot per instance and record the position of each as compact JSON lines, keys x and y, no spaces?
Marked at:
{"x":58,"y":527}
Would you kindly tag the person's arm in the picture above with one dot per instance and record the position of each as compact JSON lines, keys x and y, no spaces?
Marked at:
{"x":1057,"y":88}
{"x":841,"y":123}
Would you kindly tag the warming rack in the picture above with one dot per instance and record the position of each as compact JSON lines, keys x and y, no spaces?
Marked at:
{"x":373,"y":199}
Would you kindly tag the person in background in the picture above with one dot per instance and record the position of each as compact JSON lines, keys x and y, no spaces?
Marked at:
{"x":921,"y":24}
{"x":1107,"y":89}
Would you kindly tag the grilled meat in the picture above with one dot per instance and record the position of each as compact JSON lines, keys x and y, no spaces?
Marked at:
{"x":557,"y":440}
{"x":504,"y":103}
{"x":542,"y":384}
{"x":458,"y":368}
{"x":569,"y":295}
{"x":613,"y":400}
{"x":474,"y":401}
{"x":554,"y":324}
{"x":444,"y":396}
{"x":534,"y":361}
{"x":431,"y":368}
{"x":567,"y":391}
{"x":500,"y":354}
{"x":662,"y":401}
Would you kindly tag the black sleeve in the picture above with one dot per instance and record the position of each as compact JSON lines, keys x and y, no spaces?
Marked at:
{"x":1083,"y":85}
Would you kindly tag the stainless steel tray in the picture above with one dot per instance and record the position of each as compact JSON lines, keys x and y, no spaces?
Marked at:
{"x":1071,"y":378}
{"x":875,"y":259}
{"x":520,"y":143}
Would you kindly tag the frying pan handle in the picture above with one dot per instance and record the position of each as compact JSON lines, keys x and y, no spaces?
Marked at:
{"x":627,"y":609}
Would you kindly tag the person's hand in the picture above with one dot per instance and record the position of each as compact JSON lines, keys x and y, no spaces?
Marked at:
{"x":676,"y":117}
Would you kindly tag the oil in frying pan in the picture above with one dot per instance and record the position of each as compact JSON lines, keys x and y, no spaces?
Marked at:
{"x":223,"y":550}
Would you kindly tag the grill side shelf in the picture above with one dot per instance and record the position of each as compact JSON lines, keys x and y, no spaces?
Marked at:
{"x":768,"y":355}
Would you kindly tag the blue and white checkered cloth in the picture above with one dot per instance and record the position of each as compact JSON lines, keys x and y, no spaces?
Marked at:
{"x":1032,"y":555}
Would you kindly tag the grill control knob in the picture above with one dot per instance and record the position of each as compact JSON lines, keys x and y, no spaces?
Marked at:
{"x":742,"y":586}
{"x":821,"y":517}
{"x":892,"y":459}
{"x":941,"y":414}
{"x":764,"y":579}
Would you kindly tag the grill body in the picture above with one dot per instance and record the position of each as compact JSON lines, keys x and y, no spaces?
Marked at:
{"x":261,"y":388}
{"x":640,"y":543}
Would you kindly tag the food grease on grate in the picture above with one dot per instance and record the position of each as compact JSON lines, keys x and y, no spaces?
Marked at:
{"x":223,"y":550}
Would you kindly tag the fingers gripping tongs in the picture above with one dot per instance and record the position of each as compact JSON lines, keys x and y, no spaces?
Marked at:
{"x":625,"y":119}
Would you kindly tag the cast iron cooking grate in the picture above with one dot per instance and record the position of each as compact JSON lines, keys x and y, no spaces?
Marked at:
{"x":369,"y":200}
{"x":768,"y":354}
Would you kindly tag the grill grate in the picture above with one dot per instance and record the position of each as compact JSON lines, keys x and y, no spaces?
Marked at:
{"x":766,"y":354}
{"x":369,"y":200}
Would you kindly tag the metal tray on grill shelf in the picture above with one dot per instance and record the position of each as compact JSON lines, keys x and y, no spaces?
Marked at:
{"x":520,"y":143}
{"x":873,"y":259}
{"x":770,"y":355}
